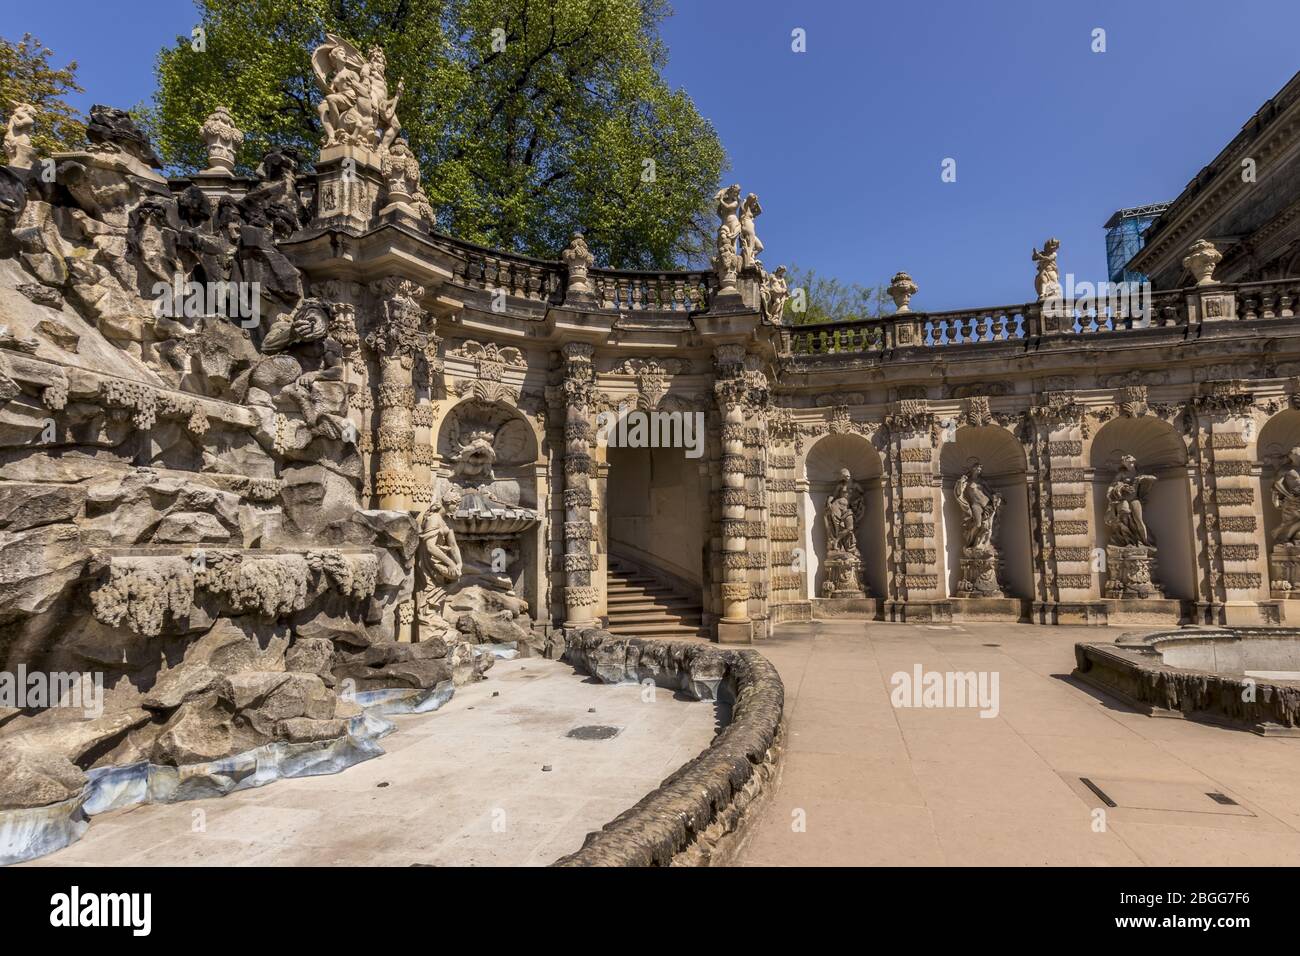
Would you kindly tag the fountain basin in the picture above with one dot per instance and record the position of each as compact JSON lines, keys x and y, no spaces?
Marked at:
{"x":1243,"y":677}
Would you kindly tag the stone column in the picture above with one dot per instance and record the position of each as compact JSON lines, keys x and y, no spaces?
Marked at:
{"x":729,"y":391}
{"x":396,"y":339}
{"x":579,"y":392}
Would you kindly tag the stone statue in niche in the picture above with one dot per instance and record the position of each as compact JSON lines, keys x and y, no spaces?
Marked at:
{"x":845,"y":508}
{"x":489,"y":520}
{"x":356,"y":109}
{"x":1284,"y":567}
{"x":1286,"y":499}
{"x":438,"y":566}
{"x":1124,"y":504}
{"x":1131,"y":547}
{"x":473,"y":466}
{"x":979,"y":506}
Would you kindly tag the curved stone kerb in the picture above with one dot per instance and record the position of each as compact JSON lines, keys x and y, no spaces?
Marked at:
{"x":685,"y":818}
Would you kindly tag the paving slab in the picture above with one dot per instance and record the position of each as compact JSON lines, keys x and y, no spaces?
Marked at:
{"x":874,"y":784}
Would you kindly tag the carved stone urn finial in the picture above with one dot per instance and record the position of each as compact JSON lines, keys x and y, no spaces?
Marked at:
{"x":1202,"y":258}
{"x":578,"y":258}
{"x":222,"y":137}
{"x":901,"y":289}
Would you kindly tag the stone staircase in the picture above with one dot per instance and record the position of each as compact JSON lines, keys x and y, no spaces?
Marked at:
{"x":642,"y":606}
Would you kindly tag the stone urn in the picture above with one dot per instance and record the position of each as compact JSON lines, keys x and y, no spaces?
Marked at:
{"x":222,"y":138}
{"x":1202,"y":258}
{"x":901,"y":289}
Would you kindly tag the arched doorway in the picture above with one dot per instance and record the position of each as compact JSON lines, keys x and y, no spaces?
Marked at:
{"x":1002,"y":459}
{"x":654,"y":500}
{"x":1159,"y":451}
{"x":822,"y":468}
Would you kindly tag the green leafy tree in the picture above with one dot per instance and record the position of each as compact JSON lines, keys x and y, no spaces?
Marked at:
{"x":28,"y":76}
{"x":529,"y":117}
{"x":827,"y":299}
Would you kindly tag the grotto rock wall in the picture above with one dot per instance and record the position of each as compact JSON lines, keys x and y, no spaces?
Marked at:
{"x":189,"y":568}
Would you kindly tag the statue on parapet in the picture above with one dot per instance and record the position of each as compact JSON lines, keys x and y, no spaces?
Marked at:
{"x":1047,"y":283}
{"x":356,"y":109}
{"x":750,"y":244}
{"x":773,"y":294}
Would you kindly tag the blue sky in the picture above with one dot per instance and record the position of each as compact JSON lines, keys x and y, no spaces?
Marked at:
{"x":844,"y":143}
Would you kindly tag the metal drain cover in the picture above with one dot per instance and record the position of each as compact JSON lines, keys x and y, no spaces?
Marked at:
{"x":1167,"y":795}
{"x":594,"y":732}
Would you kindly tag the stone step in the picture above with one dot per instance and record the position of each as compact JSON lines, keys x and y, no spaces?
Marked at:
{"x":660,"y":604}
{"x":656,"y":630}
{"x":638,"y":591}
{"x":641,"y":605}
{"x":654,"y":617}
{"x":641,"y":594}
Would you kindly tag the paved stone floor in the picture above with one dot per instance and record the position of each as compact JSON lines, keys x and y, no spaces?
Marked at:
{"x":463,"y":786}
{"x":879,"y":785}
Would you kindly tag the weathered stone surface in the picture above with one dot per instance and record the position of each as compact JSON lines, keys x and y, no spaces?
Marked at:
{"x":36,"y":778}
{"x":28,"y":505}
{"x":200,"y":730}
{"x":397,"y":665}
{"x":312,"y":656}
{"x":190,"y":527}
{"x":180,"y":684}
{"x":318,"y":503}
{"x":36,"y":565}
{"x":305,"y":729}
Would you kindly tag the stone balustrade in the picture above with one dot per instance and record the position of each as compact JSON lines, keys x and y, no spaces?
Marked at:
{"x":1029,"y":322}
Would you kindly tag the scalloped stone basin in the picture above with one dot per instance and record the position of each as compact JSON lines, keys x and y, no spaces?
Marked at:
{"x":480,"y":516}
{"x":496,"y":522}
{"x":1246,"y":677}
